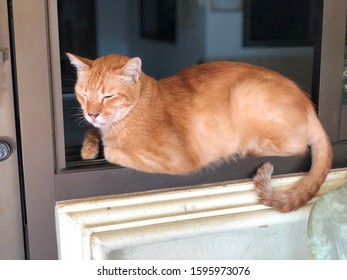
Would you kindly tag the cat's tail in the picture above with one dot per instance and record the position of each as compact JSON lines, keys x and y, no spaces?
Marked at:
{"x":290,"y":199}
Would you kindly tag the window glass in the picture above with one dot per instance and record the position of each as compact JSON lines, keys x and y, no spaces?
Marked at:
{"x":169,"y":35}
{"x":343,"y":127}
{"x":344,"y":86}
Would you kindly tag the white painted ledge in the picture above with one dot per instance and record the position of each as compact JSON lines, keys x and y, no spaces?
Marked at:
{"x":93,"y":228}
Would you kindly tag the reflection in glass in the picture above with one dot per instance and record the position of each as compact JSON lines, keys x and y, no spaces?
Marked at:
{"x":344,"y":91}
{"x":343,"y":127}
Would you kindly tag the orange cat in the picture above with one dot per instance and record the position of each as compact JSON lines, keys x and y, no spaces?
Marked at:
{"x":203,"y":114}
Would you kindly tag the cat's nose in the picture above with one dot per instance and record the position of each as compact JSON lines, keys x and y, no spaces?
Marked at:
{"x":93,"y":116}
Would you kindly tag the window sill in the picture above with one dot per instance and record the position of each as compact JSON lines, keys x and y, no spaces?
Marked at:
{"x":95,"y":228}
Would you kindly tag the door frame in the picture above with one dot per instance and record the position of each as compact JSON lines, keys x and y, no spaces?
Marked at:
{"x":31,"y":51}
{"x":12,"y":245}
{"x":328,"y":66}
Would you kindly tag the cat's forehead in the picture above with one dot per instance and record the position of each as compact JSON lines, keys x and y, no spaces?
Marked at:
{"x":100,"y":82}
{"x":103,"y":75}
{"x":110,"y":62}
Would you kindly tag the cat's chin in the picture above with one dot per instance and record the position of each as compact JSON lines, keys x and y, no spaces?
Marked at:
{"x":103,"y":123}
{"x":97,"y":125}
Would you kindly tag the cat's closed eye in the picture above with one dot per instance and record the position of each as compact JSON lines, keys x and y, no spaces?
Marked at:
{"x":108,"y":96}
{"x":84,"y":95}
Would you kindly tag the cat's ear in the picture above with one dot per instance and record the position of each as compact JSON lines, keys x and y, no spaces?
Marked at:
{"x":80,"y":63}
{"x":133,"y":69}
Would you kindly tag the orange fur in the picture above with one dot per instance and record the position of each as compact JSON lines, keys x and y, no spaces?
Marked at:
{"x":201,"y":115}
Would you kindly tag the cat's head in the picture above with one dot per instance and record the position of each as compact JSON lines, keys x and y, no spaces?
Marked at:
{"x":107,"y":88}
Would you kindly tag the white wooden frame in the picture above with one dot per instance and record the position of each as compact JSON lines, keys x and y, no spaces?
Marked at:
{"x":93,"y":228}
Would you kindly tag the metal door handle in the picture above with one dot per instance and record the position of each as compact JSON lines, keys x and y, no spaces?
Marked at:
{"x":5,"y":150}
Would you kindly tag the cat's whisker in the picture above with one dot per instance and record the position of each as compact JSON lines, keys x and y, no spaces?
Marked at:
{"x":68,"y":80}
{"x":82,"y":122}
{"x":79,"y":115}
{"x":124,"y":130}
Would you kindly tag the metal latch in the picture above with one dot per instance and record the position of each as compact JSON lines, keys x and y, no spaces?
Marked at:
{"x":5,"y":150}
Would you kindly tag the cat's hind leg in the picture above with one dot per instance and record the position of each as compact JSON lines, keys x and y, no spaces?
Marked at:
{"x":91,"y":142}
{"x":262,"y":181}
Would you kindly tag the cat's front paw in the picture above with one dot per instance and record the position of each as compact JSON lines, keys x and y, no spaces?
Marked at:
{"x":89,"y":150}
{"x":90,"y":147}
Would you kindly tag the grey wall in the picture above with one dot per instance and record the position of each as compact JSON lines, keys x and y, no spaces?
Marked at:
{"x":112,"y":26}
{"x":224,"y":32}
{"x":203,"y":34}
{"x":169,"y":57}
